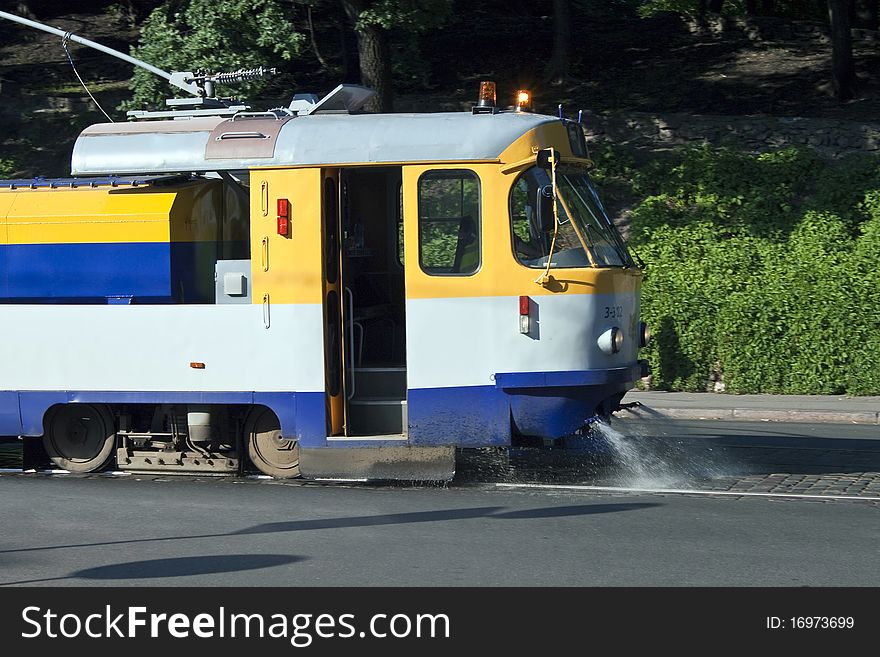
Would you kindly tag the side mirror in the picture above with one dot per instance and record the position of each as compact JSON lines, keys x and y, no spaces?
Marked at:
{"x":545,"y":159}
{"x":544,"y":208}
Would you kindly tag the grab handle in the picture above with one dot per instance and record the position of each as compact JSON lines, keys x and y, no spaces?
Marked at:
{"x":264,"y":198}
{"x":241,"y":135}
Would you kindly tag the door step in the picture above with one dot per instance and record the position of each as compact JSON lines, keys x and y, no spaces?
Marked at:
{"x":404,"y":462}
{"x":387,"y":382}
{"x":376,"y":416}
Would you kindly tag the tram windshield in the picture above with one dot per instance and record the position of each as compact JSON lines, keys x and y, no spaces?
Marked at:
{"x":586,"y":235}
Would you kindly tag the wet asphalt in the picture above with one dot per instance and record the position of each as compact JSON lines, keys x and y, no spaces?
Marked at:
{"x":799,"y":506}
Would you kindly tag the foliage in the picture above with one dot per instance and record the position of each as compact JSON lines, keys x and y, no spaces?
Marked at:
{"x":190,"y":35}
{"x":187,"y":35}
{"x":651,"y":7}
{"x":410,"y":15}
{"x":762,"y":270}
{"x":7,"y":168}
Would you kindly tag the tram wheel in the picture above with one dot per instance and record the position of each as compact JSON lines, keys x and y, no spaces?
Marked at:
{"x":272,"y":454}
{"x":79,"y":437}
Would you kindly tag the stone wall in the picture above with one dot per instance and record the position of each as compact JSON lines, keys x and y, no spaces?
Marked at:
{"x":832,"y":138}
{"x":767,"y":28}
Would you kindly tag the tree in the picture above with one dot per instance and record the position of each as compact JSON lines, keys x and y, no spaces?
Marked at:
{"x":136,"y":10}
{"x":18,"y":7}
{"x":866,"y":14}
{"x":188,"y":35}
{"x":375,"y":67}
{"x":185,"y":35}
{"x":557,"y":68}
{"x":843,"y":74}
{"x":371,"y":21}
{"x":314,"y":41}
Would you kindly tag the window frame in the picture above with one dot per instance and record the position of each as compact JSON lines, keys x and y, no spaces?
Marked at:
{"x":587,"y":255}
{"x":478,"y":220}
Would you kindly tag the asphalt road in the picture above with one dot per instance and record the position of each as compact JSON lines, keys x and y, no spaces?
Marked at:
{"x":488,"y":528}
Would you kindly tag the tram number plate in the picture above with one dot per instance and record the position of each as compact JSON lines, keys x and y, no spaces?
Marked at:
{"x":613,"y":312}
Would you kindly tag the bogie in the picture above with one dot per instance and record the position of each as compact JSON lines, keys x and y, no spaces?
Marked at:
{"x":180,"y":438}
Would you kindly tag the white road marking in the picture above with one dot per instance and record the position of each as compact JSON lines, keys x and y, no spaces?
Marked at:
{"x":359,"y":439}
{"x":359,"y":480}
{"x":684,"y":491}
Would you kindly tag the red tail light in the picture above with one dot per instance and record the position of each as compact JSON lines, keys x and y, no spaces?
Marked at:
{"x":283,"y":217}
{"x":525,"y":319}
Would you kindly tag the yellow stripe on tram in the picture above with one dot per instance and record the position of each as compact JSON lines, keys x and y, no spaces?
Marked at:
{"x":103,"y":215}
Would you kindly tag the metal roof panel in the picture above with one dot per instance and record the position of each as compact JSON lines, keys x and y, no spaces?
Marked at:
{"x":170,"y":146}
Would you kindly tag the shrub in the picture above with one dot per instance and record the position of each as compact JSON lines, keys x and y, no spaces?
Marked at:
{"x":761,"y":270}
{"x":7,"y":168}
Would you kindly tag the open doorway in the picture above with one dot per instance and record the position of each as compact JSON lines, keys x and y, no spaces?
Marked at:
{"x":374,"y":297}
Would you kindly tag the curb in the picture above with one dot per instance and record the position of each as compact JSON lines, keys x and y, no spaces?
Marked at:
{"x":831,"y":417}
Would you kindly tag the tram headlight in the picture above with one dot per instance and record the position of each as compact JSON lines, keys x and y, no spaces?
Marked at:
{"x":611,"y":341}
{"x":644,"y":334}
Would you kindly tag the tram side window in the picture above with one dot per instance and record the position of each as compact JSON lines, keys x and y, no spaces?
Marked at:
{"x":449,"y":222}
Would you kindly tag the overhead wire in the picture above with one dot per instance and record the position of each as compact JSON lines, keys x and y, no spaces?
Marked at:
{"x":64,"y":41}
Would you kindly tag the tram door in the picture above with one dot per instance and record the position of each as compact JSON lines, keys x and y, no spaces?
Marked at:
{"x":364,"y":302}
{"x":335,"y":352}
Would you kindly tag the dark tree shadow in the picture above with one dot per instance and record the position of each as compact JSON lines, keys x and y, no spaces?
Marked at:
{"x":175,"y":567}
{"x":674,"y":364}
{"x":577,"y":510}
{"x":445,"y":515}
{"x":184,"y":566}
{"x":492,"y":513}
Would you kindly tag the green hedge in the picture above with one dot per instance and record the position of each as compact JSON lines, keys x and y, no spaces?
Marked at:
{"x":762,"y":271}
{"x":7,"y":168}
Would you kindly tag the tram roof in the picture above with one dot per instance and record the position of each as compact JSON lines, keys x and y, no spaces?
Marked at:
{"x":215,"y":143}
